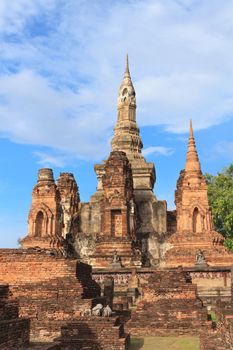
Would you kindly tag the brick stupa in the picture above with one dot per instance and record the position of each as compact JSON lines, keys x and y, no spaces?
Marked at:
{"x":45,"y":217}
{"x":195,"y":235}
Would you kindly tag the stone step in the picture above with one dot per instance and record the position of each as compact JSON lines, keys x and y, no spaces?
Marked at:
{"x":39,"y":346}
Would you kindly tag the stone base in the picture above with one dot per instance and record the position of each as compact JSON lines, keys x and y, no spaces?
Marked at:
{"x":183,"y":247}
{"x":117,"y":265}
{"x":106,"y":261}
{"x":104,"y":254}
{"x":55,"y":243}
{"x":201,"y":265}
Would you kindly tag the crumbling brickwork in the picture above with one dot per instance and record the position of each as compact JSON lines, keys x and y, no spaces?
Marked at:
{"x":45,"y":219}
{"x":50,"y":290}
{"x":221,"y":337}
{"x":118,"y":212}
{"x":14,"y":330}
{"x":70,"y":200}
{"x":169,"y":306}
{"x":224,"y":315}
{"x":94,"y":333}
{"x":118,"y":206}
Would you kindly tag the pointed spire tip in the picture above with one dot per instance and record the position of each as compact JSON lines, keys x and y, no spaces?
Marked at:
{"x":192,"y":160}
{"x":127,"y":64}
{"x":191,"y":128}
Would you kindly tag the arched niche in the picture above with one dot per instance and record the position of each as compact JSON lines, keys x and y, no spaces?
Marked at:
{"x":197,"y":222}
{"x":39,"y":224}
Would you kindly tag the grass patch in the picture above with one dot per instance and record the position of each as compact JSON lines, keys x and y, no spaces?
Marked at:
{"x":165,"y":343}
{"x":213,"y":316}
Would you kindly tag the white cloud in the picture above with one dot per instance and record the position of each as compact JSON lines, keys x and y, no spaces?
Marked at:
{"x":62,"y":63}
{"x":158,"y":150}
{"x":47,"y":160}
{"x":15,"y":13}
{"x":33,"y":112}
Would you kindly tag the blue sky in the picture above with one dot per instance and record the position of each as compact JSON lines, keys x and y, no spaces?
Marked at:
{"x":62,"y":62}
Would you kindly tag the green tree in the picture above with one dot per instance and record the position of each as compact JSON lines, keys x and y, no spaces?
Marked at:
{"x":220,"y":194}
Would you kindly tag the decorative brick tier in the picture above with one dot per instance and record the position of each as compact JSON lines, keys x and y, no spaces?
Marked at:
{"x":105,"y":247}
{"x":168,"y":306}
{"x":14,"y":331}
{"x":183,"y":249}
{"x":51,"y":291}
{"x":94,"y":333}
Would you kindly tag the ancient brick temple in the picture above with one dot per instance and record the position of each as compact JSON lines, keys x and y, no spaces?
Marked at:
{"x":124,"y":217}
{"x":157,"y":269}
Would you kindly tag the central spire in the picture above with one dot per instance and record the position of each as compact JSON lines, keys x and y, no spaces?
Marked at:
{"x":126,"y":94}
{"x":126,"y":133}
{"x":127,"y":137}
{"x":192,"y":160}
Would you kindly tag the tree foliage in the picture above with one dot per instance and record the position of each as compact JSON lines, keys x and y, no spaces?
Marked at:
{"x":220,"y":194}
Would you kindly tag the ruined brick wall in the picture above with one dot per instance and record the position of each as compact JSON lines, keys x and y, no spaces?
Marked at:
{"x":22,"y":266}
{"x":14,"y":331}
{"x":50,"y":290}
{"x":169,"y":306}
{"x":171,"y":221}
{"x":220,"y":338}
{"x":210,"y":341}
{"x":224,"y":314}
{"x":94,"y":333}
{"x":70,"y":200}
{"x":213,"y":285}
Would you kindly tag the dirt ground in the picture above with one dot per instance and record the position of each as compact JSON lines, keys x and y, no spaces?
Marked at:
{"x":165,"y":343}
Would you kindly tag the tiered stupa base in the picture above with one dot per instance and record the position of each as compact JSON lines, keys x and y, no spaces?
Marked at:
{"x":183,"y":249}
{"x":106,"y":247}
{"x":53,"y":243}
